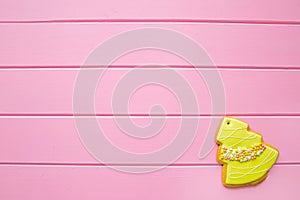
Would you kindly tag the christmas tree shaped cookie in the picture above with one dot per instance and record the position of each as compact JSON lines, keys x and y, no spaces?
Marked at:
{"x":245,"y":157}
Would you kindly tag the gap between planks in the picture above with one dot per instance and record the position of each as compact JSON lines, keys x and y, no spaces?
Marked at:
{"x":127,"y":165}
{"x":179,"y":21}
{"x":273,"y":115}
{"x":191,"y":68}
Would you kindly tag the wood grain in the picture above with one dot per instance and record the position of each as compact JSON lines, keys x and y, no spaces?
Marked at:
{"x":250,"y":92}
{"x":48,"y":182}
{"x":228,"y":45}
{"x":56,"y":140}
{"x":247,"y":10}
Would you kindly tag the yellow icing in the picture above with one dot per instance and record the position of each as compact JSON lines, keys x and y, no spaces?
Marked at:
{"x":234,"y":134}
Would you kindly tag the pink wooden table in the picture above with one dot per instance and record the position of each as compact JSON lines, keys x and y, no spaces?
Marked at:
{"x":255,"y":46}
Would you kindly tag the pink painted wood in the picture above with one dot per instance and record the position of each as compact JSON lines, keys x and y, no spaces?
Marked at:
{"x":56,"y":140}
{"x":229,"y":45}
{"x":247,"y":92}
{"x":93,"y":183}
{"x":247,"y":10}
{"x":255,"y":43}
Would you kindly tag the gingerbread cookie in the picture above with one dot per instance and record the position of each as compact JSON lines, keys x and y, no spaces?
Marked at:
{"x":245,"y":157}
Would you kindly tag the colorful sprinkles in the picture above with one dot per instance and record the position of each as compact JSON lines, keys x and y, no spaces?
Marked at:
{"x":242,"y":154}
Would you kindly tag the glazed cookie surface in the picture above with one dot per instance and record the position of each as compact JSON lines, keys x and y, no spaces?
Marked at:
{"x":245,"y":157}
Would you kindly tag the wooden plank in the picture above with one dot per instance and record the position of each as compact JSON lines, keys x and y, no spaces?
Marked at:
{"x":246,"y":92}
{"x":228,"y":45}
{"x":56,"y":140}
{"x":144,"y":10}
{"x":55,"y":182}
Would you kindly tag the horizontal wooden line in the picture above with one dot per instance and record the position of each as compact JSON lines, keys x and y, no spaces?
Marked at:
{"x":221,"y":21}
{"x":4,"y":115}
{"x":33,"y":67}
{"x":124,"y":165}
{"x":100,"y":164}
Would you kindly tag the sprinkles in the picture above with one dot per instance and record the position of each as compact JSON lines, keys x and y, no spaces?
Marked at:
{"x":242,"y":154}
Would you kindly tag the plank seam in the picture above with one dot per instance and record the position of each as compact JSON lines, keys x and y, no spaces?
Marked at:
{"x":2,"y":115}
{"x":126,"y":165}
{"x":194,"y":21}
{"x":183,"y":67}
